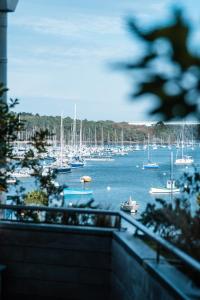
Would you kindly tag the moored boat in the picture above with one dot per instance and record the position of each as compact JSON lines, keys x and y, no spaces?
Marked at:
{"x":77,"y":164}
{"x":129,"y":205}
{"x":185,"y":160}
{"x":170,"y":188}
{"x":151,"y":165}
{"x":76,"y":191}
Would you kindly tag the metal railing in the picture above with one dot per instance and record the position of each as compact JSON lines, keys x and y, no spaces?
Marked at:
{"x":162,"y":243}
{"x":115,"y":223}
{"x":60,"y":215}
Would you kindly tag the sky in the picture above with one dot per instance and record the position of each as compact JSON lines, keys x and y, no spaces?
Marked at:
{"x":60,"y":53}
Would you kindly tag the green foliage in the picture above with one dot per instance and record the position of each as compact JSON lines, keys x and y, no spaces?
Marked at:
{"x":112,"y":131}
{"x":82,"y":219}
{"x":9,"y":126}
{"x":36,"y":198}
{"x":176,"y":221}
{"x":177,"y":86}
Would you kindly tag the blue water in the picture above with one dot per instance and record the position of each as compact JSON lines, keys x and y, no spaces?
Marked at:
{"x":115,"y":181}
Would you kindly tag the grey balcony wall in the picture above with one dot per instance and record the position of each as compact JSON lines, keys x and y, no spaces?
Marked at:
{"x":54,"y":262}
{"x":136,"y":274}
{"x":57,"y":262}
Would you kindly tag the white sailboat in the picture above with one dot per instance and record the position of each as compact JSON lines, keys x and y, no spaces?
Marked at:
{"x":150,"y":164}
{"x":185,"y":159}
{"x":61,"y":166}
{"x":171,"y":187}
{"x":76,"y":161}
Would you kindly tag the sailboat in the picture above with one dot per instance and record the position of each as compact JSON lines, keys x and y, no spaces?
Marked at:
{"x":76,"y":161}
{"x":150,"y":164}
{"x":61,"y":166}
{"x":185,"y":159}
{"x":171,"y":187}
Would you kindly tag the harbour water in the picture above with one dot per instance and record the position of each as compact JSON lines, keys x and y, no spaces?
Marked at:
{"x":115,"y":181}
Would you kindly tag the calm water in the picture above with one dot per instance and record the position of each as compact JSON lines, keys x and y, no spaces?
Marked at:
{"x":114,"y":181}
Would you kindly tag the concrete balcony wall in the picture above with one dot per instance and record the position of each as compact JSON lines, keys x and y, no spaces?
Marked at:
{"x":137,"y":276}
{"x":54,"y":262}
{"x":79,"y":263}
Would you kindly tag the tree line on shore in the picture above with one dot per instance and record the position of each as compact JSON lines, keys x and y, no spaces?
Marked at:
{"x":107,"y":132}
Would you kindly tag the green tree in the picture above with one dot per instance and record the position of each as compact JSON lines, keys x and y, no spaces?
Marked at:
{"x":36,"y":198}
{"x":177,"y":91}
{"x":176,"y":86}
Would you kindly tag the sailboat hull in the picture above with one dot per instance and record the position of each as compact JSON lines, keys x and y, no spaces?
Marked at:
{"x":151,"y":166}
{"x":164,"y":191}
{"x":184,"y":161}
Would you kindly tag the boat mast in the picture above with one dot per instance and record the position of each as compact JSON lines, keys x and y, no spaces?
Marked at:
{"x":74,"y":128}
{"x":148,"y":157}
{"x":182,"y":144}
{"x":80,"y":134}
{"x":115,"y":137}
{"x":102,"y":138}
{"x":61,"y":140}
{"x":95,"y":137}
{"x":171,"y":168}
{"x":122,"y":139}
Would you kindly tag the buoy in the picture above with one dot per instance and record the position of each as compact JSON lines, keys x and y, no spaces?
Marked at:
{"x":85,"y":179}
{"x":108,"y":188}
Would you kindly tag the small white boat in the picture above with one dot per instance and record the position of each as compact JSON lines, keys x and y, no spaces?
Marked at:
{"x":21,"y":173}
{"x":11,"y":180}
{"x":129,"y":205}
{"x":169,"y":189}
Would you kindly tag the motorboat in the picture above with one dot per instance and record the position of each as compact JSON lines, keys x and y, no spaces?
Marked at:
{"x":129,"y":205}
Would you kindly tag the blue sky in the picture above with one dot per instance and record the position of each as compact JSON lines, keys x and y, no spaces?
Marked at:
{"x":60,"y":53}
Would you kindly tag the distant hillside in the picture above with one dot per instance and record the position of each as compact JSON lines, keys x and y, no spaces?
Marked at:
{"x":107,"y":131}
